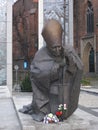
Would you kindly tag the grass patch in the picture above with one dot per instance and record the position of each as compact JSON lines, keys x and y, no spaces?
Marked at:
{"x":85,"y":81}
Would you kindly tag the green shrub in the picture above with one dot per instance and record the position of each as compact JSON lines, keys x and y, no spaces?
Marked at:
{"x":85,"y":82}
{"x":26,"y":84}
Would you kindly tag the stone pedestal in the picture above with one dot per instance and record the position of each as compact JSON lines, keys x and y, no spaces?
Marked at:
{"x":74,"y":122}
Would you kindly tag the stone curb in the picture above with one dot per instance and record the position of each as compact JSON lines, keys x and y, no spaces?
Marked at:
{"x":17,"y":113}
{"x":90,"y":91}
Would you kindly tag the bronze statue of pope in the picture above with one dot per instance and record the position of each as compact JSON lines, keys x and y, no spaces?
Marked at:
{"x":56,"y":72}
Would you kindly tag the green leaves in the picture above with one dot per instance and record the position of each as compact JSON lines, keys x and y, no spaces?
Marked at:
{"x":26,"y":84}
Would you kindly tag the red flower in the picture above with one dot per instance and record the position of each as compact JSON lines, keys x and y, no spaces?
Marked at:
{"x":59,"y":113}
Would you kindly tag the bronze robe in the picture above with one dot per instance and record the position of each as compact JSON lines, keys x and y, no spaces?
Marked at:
{"x":55,"y":82}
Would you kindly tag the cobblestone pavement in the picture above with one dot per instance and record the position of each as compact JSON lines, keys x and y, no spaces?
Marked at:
{"x":88,"y":107}
{"x":89,"y":100}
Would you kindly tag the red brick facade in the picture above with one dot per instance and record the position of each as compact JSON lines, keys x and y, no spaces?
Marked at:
{"x":83,"y":41}
{"x":25,"y":31}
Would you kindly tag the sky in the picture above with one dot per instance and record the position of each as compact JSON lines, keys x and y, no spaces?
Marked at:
{"x":15,"y":0}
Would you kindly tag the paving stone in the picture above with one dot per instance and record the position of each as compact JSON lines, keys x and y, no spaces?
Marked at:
{"x":8,"y":116}
{"x":80,"y":120}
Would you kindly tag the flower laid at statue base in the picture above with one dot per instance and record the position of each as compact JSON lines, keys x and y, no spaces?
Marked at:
{"x":61,"y":112}
{"x":59,"y":115}
{"x":50,"y":118}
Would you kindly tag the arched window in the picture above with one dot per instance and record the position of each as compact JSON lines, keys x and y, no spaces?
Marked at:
{"x":91,"y":61}
{"x":90,"y":18}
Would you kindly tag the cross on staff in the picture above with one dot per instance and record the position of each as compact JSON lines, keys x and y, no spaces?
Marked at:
{"x":64,"y":21}
{"x":63,"y":68}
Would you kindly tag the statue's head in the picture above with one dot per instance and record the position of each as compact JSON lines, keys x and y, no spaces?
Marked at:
{"x":52,"y":34}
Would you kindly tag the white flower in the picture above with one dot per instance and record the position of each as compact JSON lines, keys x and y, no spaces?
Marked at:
{"x":65,"y":107}
{"x":60,"y":105}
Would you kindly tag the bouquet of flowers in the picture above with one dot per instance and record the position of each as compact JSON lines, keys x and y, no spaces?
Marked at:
{"x":50,"y":118}
{"x":61,"y":112}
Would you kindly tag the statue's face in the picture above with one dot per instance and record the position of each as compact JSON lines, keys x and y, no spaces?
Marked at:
{"x":52,"y":34}
{"x":56,"y":50}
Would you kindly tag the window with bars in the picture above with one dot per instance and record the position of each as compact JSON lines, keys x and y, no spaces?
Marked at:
{"x":90,"y":18}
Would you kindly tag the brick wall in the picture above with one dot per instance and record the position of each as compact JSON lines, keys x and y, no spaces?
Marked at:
{"x":80,"y":7}
{"x":80,"y":27}
{"x":25,"y":30}
{"x":25,"y":34}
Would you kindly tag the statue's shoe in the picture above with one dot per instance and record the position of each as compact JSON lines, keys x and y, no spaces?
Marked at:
{"x":38,"y":117}
{"x":27,"y":109}
{"x":28,"y":106}
{"x":24,"y":110}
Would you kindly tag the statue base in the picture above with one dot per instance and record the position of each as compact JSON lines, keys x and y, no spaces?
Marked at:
{"x":27,"y":123}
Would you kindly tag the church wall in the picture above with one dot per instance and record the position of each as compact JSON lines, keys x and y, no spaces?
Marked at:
{"x":80,"y":29}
